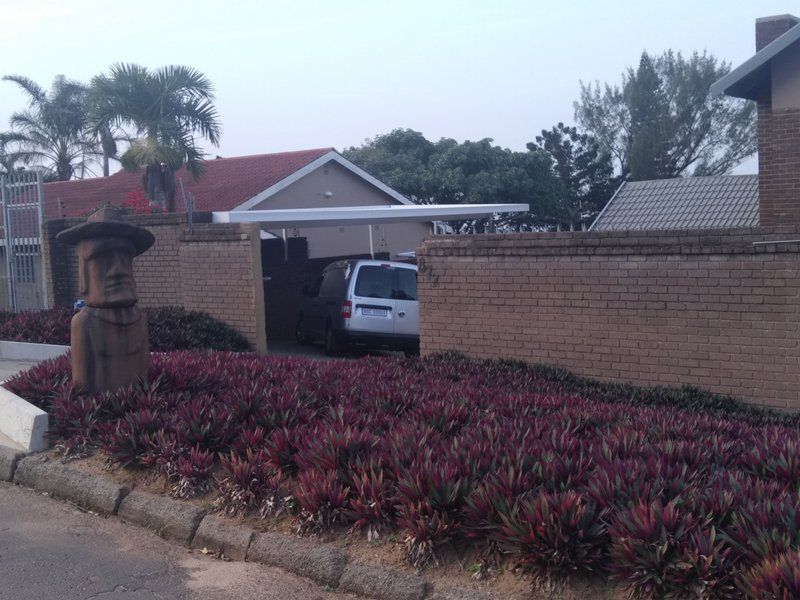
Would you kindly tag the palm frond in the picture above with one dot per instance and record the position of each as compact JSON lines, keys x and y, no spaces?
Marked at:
{"x":34,"y":90}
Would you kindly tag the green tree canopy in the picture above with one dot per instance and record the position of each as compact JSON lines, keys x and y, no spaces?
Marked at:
{"x":662,"y":122}
{"x":51,"y":132}
{"x":449,"y":172}
{"x":399,"y":159}
{"x":585,"y":171}
{"x":167,"y":107}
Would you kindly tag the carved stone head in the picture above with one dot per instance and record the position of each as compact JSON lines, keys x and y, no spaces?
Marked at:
{"x":106,"y":246}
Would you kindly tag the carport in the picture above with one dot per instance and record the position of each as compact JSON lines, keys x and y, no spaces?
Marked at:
{"x":365,"y":215}
{"x":283,"y":279}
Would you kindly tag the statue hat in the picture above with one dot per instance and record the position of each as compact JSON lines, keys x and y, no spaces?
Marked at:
{"x":108,"y":221}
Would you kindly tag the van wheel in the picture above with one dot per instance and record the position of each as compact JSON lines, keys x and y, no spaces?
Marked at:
{"x":332,"y":346}
{"x":300,"y":331}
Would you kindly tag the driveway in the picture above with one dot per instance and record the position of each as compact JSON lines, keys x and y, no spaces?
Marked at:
{"x":9,"y":368}
{"x":283,"y":348}
{"x":50,"y":550}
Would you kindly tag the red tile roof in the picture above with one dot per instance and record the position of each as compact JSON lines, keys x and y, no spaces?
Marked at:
{"x":225,"y":184}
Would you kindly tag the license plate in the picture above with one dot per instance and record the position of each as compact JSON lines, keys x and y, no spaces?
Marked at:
{"x":374,"y":312}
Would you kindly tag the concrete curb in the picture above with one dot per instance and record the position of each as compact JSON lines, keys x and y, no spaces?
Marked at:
{"x":321,"y":563}
{"x":87,"y":491}
{"x":9,"y":458}
{"x":22,"y":422}
{"x":191,"y":525}
{"x":30,"y":351}
{"x":382,"y":583}
{"x":218,"y":535}
{"x":171,"y":519}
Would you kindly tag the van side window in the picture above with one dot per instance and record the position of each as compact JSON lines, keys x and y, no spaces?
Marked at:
{"x":332,"y":283}
{"x":374,"y":282}
{"x":406,"y":288}
{"x":314,"y":288}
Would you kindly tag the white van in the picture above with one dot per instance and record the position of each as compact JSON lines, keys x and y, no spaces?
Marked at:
{"x":371,"y":304}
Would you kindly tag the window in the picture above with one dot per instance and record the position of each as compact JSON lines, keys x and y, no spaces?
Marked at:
{"x":313,"y":289}
{"x":333,"y":284}
{"x":374,"y":282}
{"x":406,"y":288}
{"x":388,"y":283}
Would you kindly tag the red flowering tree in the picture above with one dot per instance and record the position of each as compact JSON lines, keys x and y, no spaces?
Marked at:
{"x":138,"y":203}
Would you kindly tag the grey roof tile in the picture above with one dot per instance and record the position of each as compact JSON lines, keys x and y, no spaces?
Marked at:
{"x":715,"y":202}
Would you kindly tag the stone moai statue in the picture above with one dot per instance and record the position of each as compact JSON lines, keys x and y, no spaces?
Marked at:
{"x":109,"y":335}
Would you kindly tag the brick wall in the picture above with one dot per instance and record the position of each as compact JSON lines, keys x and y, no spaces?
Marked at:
{"x":216,"y":269}
{"x":778,"y":165}
{"x":778,"y":142}
{"x":704,"y":308}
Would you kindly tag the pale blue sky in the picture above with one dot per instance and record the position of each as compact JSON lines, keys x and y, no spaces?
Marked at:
{"x":303,"y":74}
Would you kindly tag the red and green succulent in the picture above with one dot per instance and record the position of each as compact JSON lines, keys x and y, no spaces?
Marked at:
{"x":669,"y":493}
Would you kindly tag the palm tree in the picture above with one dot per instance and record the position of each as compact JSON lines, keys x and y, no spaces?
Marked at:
{"x":8,"y":157}
{"x":167,"y":107}
{"x":50,"y":133}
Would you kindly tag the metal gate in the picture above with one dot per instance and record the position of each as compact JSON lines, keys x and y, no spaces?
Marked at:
{"x":21,"y":244}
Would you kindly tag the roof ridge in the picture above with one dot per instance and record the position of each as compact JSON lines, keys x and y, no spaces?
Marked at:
{"x":695,"y":178}
{"x":323,"y":149}
{"x":123,"y":172}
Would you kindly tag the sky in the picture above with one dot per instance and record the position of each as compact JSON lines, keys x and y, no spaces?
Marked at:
{"x":308,"y":74}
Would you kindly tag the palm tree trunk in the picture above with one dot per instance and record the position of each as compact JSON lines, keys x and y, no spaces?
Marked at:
{"x":159,"y":184}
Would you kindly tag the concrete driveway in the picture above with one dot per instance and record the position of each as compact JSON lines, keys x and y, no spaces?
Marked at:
{"x":50,"y":550}
{"x":283,"y":348}
{"x":9,"y":368}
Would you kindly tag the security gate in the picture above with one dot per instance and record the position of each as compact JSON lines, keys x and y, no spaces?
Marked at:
{"x":21,"y":244}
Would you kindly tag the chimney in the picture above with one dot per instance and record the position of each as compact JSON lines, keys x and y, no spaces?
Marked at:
{"x":779,"y":127}
{"x":768,"y":29}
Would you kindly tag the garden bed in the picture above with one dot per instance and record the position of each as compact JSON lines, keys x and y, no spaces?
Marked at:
{"x":496,"y":465}
{"x":169,"y":328}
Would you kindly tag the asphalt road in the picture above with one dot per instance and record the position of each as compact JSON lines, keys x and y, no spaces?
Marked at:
{"x":50,"y":550}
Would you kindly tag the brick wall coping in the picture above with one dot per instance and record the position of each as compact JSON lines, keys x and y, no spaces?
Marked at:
{"x":681,"y":241}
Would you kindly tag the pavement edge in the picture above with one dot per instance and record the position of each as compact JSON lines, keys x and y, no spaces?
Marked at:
{"x":195,"y":527}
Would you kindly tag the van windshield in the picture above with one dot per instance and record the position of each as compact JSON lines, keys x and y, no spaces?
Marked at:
{"x":389,"y":283}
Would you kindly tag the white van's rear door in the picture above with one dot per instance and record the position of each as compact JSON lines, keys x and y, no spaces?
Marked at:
{"x":374,"y":308}
{"x":406,"y":301}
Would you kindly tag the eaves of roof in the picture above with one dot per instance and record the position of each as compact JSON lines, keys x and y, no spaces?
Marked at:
{"x":750,"y":79}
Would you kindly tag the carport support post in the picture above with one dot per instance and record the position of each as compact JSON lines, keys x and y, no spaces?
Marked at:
{"x":285,"y":247}
{"x":371,"y":248}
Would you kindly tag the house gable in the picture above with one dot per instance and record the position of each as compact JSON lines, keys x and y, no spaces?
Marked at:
{"x":334,"y":162}
{"x":328,"y":185}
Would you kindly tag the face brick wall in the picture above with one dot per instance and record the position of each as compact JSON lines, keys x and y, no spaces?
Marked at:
{"x":216,"y":269}
{"x":708,"y":308}
{"x":778,"y":165}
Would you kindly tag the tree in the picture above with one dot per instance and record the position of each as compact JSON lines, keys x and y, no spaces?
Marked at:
{"x":8,"y":157}
{"x":167,"y":107}
{"x":399,"y":159}
{"x":480,"y":173}
{"x":650,"y":123}
{"x":449,"y":172}
{"x":50,"y":133}
{"x":585,"y":171}
{"x":662,"y":122}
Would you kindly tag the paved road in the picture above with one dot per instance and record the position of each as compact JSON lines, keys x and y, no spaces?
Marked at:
{"x":50,"y":550}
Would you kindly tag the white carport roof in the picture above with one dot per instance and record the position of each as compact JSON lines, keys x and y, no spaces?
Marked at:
{"x":365,"y":215}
